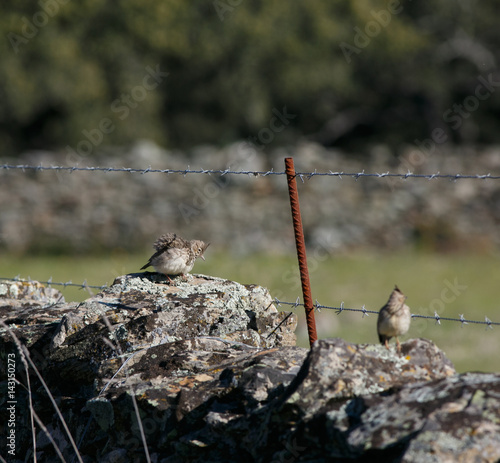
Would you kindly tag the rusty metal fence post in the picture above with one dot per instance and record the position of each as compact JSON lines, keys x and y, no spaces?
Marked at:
{"x":301,"y":250}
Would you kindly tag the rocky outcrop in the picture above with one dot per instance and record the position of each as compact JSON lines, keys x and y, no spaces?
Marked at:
{"x":211,"y":368}
{"x":19,"y":300}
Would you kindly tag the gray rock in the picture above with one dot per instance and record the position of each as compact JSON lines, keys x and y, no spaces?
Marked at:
{"x":214,"y":377}
{"x":444,"y":420}
{"x":15,"y":295}
{"x":336,"y":369}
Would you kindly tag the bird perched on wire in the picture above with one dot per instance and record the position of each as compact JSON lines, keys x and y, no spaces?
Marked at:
{"x":175,"y":255}
{"x":393,"y":319}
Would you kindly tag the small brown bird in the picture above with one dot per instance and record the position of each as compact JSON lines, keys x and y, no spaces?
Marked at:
{"x":175,"y":255}
{"x":393,"y":319}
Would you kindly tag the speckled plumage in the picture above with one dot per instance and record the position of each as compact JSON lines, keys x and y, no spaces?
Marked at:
{"x":175,"y":255}
{"x":393,"y":319}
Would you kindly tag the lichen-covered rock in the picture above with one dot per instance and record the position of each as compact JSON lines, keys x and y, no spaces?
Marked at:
{"x":336,"y":369}
{"x":212,"y":376}
{"x":363,"y":403}
{"x":144,"y":309}
{"x":19,"y":298}
{"x":32,"y":310}
{"x":454,"y":419}
{"x":139,"y":311}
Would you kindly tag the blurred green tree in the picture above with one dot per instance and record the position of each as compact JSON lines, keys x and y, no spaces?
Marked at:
{"x":80,"y":75}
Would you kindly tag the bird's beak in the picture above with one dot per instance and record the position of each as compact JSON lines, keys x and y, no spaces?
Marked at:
{"x":202,"y":256}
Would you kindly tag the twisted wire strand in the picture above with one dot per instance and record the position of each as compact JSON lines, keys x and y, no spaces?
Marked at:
{"x":317,"y":306}
{"x":365,"y":313}
{"x":301,"y":175}
{"x":49,"y":282}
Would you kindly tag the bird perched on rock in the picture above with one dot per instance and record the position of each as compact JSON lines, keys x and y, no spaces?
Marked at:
{"x":393,"y":319}
{"x":175,"y":255}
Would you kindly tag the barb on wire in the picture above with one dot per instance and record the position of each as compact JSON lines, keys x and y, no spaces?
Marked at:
{"x":302,"y":175}
{"x":340,"y":309}
{"x":318,"y":306}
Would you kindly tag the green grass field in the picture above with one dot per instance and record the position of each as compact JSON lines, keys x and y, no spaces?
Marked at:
{"x":449,"y":284}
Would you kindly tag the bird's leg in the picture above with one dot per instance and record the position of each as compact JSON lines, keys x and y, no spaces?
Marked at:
{"x":169,"y":279}
{"x":398,"y":344}
{"x":386,"y":344}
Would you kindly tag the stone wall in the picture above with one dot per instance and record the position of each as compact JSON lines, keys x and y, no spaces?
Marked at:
{"x":89,"y":211}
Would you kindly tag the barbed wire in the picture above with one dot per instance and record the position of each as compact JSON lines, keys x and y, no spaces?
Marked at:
{"x":302,"y":175}
{"x":148,"y":170}
{"x":365,"y":313}
{"x":49,"y":282}
{"x":317,"y":306}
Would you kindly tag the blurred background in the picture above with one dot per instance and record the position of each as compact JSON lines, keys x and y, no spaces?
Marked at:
{"x":350,"y":86}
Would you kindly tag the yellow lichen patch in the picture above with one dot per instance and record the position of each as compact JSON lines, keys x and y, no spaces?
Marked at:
{"x":186,"y":382}
{"x":339,"y":386}
{"x":203,"y":377}
{"x":190,"y":381}
{"x":172,"y":389}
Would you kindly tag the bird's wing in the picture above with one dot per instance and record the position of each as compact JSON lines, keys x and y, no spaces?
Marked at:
{"x":154,"y":256}
{"x":165,"y":241}
{"x":147,"y":265}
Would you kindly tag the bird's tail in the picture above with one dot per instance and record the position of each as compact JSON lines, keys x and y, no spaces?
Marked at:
{"x":382,"y":338}
{"x":146,"y":266}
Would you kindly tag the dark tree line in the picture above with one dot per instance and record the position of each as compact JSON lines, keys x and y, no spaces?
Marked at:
{"x":79,"y":75}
